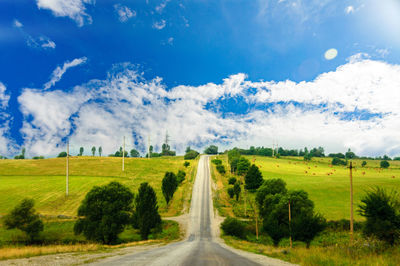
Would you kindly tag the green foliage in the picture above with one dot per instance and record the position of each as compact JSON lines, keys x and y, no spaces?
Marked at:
{"x":307,"y":157}
{"x":212,"y":149}
{"x":350,"y":155}
{"x":169,"y":186}
{"x":364,"y":163}
{"x":231,"y":192}
{"x":337,"y":161}
{"x":100,"y":151}
{"x":166,"y":150}
{"x":233,"y":154}
{"x":234,"y":227}
{"x":338,"y":155}
{"x":104,"y":213}
{"x":186,"y":164}
{"x":24,"y":218}
{"x":81,"y":149}
{"x":243,"y":166}
{"x":180,"y":176}
{"x":93,"y":150}
{"x":134,"y":153}
{"x":232,"y":180}
{"x":221,"y":169}
{"x":381,"y":210}
{"x":237,"y":190}
{"x":307,"y":226}
{"x":216,"y":161}
{"x":253,"y":178}
{"x":62,"y":154}
{"x":384,"y":164}
{"x":234,"y":164}
{"x":38,"y":157}
{"x":190,"y":155}
{"x":120,"y":153}
{"x":269,"y":187}
{"x":146,"y":216}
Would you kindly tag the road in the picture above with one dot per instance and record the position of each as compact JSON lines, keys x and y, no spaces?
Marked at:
{"x":201,"y":246}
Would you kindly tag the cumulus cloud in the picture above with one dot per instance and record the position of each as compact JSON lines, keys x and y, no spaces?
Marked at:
{"x":7,"y":146}
{"x":124,"y":12}
{"x":59,"y":71}
{"x":74,"y":9}
{"x":357,"y":106}
{"x":17,"y":24}
{"x":349,"y":9}
{"x":159,"y":25}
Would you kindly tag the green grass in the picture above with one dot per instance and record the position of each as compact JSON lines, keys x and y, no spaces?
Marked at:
{"x":44,"y":181}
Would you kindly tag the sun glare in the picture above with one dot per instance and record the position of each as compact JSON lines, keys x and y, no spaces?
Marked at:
{"x":331,"y":54}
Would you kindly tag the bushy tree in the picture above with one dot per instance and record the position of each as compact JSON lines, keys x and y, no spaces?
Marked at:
{"x":234,"y":227}
{"x":100,"y":151}
{"x":212,"y":149}
{"x":190,"y":155}
{"x":364,"y":163}
{"x":231,"y":192}
{"x":237,"y":190}
{"x":62,"y":154}
{"x":221,"y":169}
{"x":381,"y":210}
{"x":233,"y":154}
{"x":234,"y":164}
{"x":337,"y":161}
{"x":134,"y":153}
{"x":350,"y":155}
{"x":269,"y":187}
{"x":243,"y":166}
{"x":186,"y":164}
{"x":216,"y":161}
{"x":169,"y":186}
{"x":93,"y":150}
{"x":104,"y":213}
{"x":180,"y":176}
{"x":146,"y":216}
{"x":232,"y":180}
{"x":81,"y":151}
{"x":24,"y":218}
{"x":307,"y":226}
{"x":253,"y":178}
{"x":385,"y":164}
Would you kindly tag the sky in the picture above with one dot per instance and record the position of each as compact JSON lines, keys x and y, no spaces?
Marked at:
{"x":231,"y":73}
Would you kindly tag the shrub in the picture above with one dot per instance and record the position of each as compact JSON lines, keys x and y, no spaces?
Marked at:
{"x":180,"y":176}
{"x":146,"y":216}
{"x":134,"y":153}
{"x":231,"y":192}
{"x":253,"y":178}
{"x":38,"y":157}
{"x":237,"y":190}
{"x":186,"y":164}
{"x":24,"y":218}
{"x":234,"y":164}
{"x":105,"y":212}
{"x":169,"y":186}
{"x":62,"y":154}
{"x":233,"y":227}
{"x":216,"y":161}
{"x":243,"y":166}
{"x":380,"y":209}
{"x":221,"y":169}
{"x":338,"y":161}
{"x":364,"y":163}
{"x":190,"y":155}
{"x":385,"y":164}
{"x":232,"y":180}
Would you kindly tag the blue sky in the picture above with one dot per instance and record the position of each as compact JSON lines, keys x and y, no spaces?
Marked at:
{"x":226,"y":72}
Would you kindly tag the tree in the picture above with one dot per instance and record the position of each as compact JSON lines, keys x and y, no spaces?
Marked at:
{"x":81,"y":151}
{"x":180,"y":176}
{"x":24,"y":218}
{"x":191,"y":155}
{"x":269,"y":187}
{"x":243,"y":166}
{"x":134,"y":153}
{"x":100,"y":150}
{"x":146,"y":216}
{"x":364,"y":163}
{"x":234,"y":164}
{"x":169,"y":186}
{"x":93,"y":150}
{"x":253,"y":178}
{"x":231,"y":180}
{"x":381,"y":210}
{"x":337,"y":161}
{"x":221,"y":169}
{"x":307,"y":156}
{"x":237,"y":190}
{"x":212,"y":149}
{"x":350,"y":155}
{"x":233,"y":154}
{"x":231,"y":192}
{"x":104,"y":213}
{"x":188,"y":149}
{"x":385,"y":164}
{"x":307,"y":226}
{"x":62,"y":154}
{"x":186,"y":164}
{"x":22,"y":155}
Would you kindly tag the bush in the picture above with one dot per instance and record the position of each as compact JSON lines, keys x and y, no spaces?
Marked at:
{"x":212,"y":149}
{"x":216,"y":161}
{"x":180,"y":176}
{"x":169,"y":186}
{"x":364,"y":163}
{"x":385,"y":164}
{"x":24,"y":218}
{"x":380,"y":209}
{"x":234,"y":164}
{"x":253,"y":178}
{"x":232,"y":180}
{"x":186,"y":164}
{"x":231,"y":192}
{"x":234,"y":227}
{"x":243,"y":166}
{"x":38,"y":157}
{"x":190,"y":155}
{"x":237,"y":190}
{"x":221,"y":169}
{"x":343,"y":225}
{"x":146,"y":216}
{"x":62,"y":154}
{"x":338,"y":161}
{"x":134,"y":153}
{"x":269,"y":187}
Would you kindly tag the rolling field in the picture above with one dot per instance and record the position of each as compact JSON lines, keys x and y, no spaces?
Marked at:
{"x":44,"y":181}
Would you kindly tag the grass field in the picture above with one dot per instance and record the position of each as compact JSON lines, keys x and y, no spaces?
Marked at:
{"x":45,"y":182}
{"x":327,"y":186}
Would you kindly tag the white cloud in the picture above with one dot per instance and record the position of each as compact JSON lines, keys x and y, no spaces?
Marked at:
{"x":300,"y":114}
{"x":124,"y":12}
{"x":17,"y":24}
{"x":7,"y":146}
{"x":41,"y":42}
{"x":358,"y":57}
{"x":349,"y":9}
{"x":159,"y":25}
{"x":59,"y":71}
{"x":161,"y":6}
{"x":74,"y":9}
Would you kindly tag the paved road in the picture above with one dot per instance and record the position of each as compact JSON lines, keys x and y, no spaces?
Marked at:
{"x":201,"y":247}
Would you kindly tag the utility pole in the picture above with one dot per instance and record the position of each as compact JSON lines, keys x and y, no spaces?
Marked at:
{"x":67,"y":176}
{"x":123,"y":156}
{"x":290,"y":226}
{"x":351,"y":203}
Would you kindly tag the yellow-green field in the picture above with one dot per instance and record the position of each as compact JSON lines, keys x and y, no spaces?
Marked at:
{"x":45,"y":182}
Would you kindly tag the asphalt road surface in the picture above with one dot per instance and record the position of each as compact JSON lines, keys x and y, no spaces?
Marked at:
{"x":201,"y":246}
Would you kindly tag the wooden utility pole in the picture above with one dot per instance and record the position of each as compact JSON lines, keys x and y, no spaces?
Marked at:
{"x":351,"y":203}
{"x":123,"y":156}
{"x":290,"y":227}
{"x":67,"y":176}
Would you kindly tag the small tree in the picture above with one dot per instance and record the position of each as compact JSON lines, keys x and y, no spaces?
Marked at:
{"x":234,"y":164}
{"x":221,"y":169}
{"x":253,"y":178}
{"x":180,"y":176}
{"x":93,"y":150}
{"x":104,"y":213}
{"x":385,"y":164}
{"x":134,"y":153}
{"x":237,"y":190}
{"x":243,"y":166}
{"x":231,"y":192}
{"x":231,"y":180}
{"x":307,"y":226}
{"x":62,"y":154}
{"x":169,"y":186}
{"x":338,"y":161}
{"x":24,"y":218}
{"x":364,"y":163}
{"x":81,"y":151}
{"x":190,"y":155}
{"x":146,"y":216}
{"x":100,"y":151}
{"x":269,"y":187}
{"x":212,"y":149}
{"x":186,"y":164}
